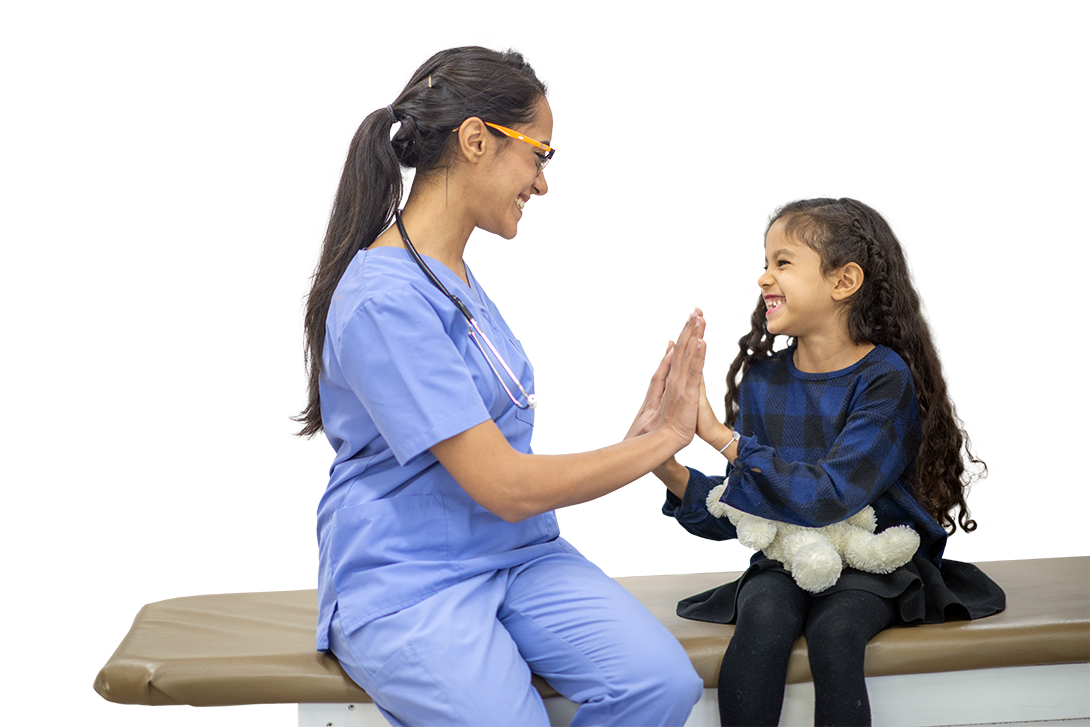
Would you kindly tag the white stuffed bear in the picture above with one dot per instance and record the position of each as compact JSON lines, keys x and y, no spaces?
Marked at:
{"x":815,"y":556}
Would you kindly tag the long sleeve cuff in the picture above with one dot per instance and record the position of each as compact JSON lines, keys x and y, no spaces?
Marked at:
{"x":691,"y":511}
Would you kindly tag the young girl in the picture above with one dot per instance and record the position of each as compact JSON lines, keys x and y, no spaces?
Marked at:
{"x":854,"y":412}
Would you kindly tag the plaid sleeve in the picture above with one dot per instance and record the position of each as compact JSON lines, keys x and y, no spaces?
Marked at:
{"x":866,"y":457}
{"x":691,"y":512}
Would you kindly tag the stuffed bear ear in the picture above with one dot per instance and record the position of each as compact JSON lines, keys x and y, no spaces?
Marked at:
{"x":717,"y":508}
{"x":882,"y":553}
{"x":755,"y":532}
{"x":864,"y":519}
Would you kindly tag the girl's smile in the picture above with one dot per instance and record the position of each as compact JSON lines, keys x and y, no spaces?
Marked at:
{"x":804,"y":302}
{"x":793,"y":273}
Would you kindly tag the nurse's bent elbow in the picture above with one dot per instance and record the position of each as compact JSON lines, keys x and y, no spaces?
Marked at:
{"x":501,"y":499}
{"x":511,"y":514}
{"x":487,"y":467}
{"x":501,"y":494}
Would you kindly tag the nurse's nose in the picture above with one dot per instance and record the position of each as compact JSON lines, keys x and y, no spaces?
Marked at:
{"x":540,"y":185}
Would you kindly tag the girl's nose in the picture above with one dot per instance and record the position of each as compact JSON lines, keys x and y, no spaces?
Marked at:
{"x":764,"y":280}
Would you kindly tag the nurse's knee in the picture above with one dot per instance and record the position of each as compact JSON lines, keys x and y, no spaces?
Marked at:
{"x":666,"y":677}
{"x":679,"y":678}
{"x":666,"y":700}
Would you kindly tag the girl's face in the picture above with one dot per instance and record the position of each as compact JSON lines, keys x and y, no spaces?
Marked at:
{"x":799,"y":298}
{"x":513,"y":178}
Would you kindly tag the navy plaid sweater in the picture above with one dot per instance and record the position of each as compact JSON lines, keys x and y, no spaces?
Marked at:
{"x":818,"y":448}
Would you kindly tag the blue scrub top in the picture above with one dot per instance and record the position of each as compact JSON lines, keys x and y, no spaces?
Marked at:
{"x":400,"y":374}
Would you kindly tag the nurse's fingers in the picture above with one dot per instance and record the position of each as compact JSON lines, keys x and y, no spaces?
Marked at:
{"x":690,"y":340}
{"x":692,"y":324}
{"x":648,"y":414}
{"x":680,"y":400}
{"x":658,"y":379}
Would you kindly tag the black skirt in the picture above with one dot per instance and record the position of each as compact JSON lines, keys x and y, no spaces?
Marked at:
{"x":923,"y":593}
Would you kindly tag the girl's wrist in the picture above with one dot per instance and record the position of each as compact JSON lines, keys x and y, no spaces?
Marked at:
{"x":726,"y":442}
{"x":720,"y":436}
{"x":674,"y":475}
{"x":734,"y":437}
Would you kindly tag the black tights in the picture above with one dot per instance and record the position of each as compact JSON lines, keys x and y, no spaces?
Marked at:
{"x":772,"y":611}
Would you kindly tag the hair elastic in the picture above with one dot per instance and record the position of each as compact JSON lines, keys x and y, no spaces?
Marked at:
{"x":391,"y":114}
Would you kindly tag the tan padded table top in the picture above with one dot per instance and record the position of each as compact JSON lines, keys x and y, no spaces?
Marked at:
{"x":258,"y":648}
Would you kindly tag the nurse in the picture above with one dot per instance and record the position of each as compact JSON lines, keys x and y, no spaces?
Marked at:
{"x":443,"y":580}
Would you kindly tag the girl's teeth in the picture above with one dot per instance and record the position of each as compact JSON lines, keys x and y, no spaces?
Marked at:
{"x":520,"y":203}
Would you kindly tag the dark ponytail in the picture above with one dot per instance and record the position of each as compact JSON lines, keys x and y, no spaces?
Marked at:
{"x":450,"y":87}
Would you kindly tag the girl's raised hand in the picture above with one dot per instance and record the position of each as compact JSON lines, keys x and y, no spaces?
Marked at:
{"x":681,"y":395}
{"x":708,"y":426}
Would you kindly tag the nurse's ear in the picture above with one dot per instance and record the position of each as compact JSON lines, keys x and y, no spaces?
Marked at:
{"x":474,"y":141}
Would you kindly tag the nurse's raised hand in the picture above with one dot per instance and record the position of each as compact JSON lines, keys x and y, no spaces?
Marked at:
{"x":681,"y":394}
{"x":650,"y":413}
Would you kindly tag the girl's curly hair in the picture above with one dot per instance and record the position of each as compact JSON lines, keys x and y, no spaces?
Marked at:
{"x":886,"y":311}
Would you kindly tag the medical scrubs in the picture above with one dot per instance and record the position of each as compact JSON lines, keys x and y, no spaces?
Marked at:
{"x":432,"y":603}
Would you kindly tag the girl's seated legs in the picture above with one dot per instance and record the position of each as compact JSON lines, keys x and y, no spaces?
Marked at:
{"x":770,"y":616}
{"x":837,"y":631}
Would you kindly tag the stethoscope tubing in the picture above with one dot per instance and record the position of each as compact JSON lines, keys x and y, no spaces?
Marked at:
{"x":475,"y":330}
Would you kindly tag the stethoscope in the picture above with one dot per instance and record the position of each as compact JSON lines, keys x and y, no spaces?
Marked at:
{"x":475,"y":331}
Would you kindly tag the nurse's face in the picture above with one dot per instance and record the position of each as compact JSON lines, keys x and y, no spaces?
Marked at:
{"x":513,"y":175}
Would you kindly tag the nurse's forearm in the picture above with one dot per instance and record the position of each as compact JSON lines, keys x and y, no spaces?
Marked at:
{"x":515,"y":486}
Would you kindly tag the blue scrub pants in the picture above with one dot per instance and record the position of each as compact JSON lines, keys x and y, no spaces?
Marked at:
{"x":464,"y":656}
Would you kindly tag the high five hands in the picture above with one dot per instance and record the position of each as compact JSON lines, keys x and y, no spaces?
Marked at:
{"x":674,"y":395}
{"x":670,"y":401}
